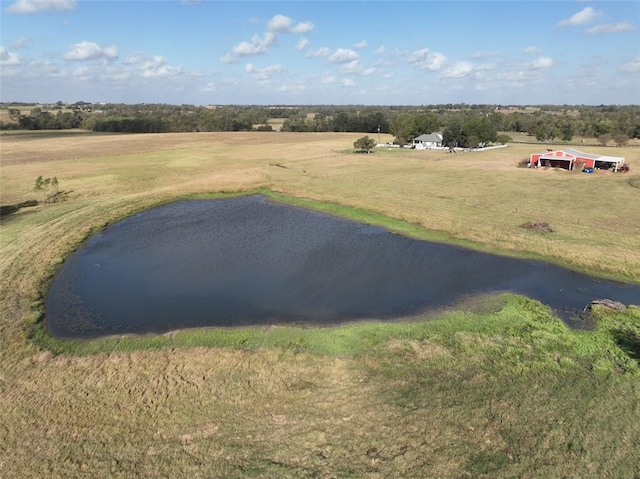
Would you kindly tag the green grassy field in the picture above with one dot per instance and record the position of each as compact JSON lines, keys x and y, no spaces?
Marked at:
{"x":496,"y":387}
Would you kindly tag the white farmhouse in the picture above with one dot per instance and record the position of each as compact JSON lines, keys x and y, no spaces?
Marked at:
{"x":427,"y":142}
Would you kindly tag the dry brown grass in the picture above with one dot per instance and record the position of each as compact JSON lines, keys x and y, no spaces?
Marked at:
{"x":273,"y":413}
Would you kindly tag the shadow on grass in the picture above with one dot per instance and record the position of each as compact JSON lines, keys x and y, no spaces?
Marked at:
{"x":7,"y":210}
{"x":629,"y":341}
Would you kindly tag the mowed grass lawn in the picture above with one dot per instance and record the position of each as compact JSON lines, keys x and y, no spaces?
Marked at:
{"x":497,"y":388}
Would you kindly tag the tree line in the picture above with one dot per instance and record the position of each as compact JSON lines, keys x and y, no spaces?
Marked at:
{"x":462,"y":125}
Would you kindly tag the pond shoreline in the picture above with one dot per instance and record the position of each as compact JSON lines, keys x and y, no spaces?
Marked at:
{"x":413,"y":285}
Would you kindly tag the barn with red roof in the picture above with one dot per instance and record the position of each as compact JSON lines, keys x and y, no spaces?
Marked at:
{"x":568,"y":158}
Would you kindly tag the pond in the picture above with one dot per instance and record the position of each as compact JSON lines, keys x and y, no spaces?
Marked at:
{"x":251,"y":261}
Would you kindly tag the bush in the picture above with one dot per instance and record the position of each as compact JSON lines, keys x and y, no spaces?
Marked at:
{"x":364,"y":144}
{"x":503,"y":139}
{"x":49,"y":188}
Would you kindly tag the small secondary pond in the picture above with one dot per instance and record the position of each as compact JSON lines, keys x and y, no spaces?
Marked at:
{"x":250,"y":261}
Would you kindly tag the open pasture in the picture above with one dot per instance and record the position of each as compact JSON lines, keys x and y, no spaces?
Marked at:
{"x":503,"y":390}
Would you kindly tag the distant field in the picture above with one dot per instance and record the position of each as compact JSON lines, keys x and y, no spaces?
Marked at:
{"x":276,"y":123}
{"x":497,"y":387}
{"x":576,"y":141}
{"x":26,"y":110}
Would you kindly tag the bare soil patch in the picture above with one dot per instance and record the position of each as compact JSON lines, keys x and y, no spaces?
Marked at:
{"x":542,"y":226}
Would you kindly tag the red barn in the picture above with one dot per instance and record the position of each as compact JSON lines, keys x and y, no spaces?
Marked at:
{"x":568,"y":157}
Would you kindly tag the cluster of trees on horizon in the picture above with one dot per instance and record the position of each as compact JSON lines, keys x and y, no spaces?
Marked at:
{"x":461,"y":124}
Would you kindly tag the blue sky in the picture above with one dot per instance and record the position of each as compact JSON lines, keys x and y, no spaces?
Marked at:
{"x":320,"y":52}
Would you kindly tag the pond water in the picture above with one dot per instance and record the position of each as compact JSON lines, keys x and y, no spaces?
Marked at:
{"x":250,"y":261}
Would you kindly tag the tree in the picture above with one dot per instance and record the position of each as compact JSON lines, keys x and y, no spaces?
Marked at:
{"x":340,"y":121}
{"x":481,"y":128}
{"x":403,"y":127}
{"x":503,"y":139}
{"x":48,"y":188}
{"x":604,"y":138}
{"x":546,"y":132}
{"x":455,"y":134}
{"x":620,"y":138}
{"x":566,"y":131}
{"x":473,"y":141}
{"x":426,"y":123}
{"x":364,"y":144}
{"x":603,"y":126}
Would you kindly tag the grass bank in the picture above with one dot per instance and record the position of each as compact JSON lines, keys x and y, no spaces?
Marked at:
{"x":612,"y":345}
{"x":505,"y":390}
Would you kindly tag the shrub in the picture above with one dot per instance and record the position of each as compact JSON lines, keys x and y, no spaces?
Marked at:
{"x":364,"y":144}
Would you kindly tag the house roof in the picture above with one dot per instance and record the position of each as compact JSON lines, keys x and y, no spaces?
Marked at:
{"x":431,"y":137}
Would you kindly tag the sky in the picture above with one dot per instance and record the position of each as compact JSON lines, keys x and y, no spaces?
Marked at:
{"x":306,"y":52}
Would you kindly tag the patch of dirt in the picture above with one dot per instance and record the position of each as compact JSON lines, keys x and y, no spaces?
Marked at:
{"x":542,"y":226}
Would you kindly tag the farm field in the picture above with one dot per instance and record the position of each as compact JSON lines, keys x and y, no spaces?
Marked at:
{"x":496,"y":388}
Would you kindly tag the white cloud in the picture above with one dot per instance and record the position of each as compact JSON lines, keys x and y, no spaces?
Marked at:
{"x":283,"y":24}
{"x":42,"y":69}
{"x":262,"y":74}
{"x":516,"y":78}
{"x":319,"y":52}
{"x":486,"y":66}
{"x":425,"y":60}
{"x":351,"y":67}
{"x":280,"y":23}
{"x":532,"y":50}
{"x":380,"y":50}
{"x":609,"y":28}
{"x":34,"y":6}
{"x":257,"y":46}
{"x":542,"y":62}
{"x":348,"y":82}
{"x":369,"y":71}
{"x":209,"y":88}
{"x":228,"y":58}
{"x":631,"y":67}
{"x":292,"y":88}
{"x":583,"y":17}
{"x":21,"y":43}
{"x":152,"y":67}
{"x":7,"y":58}
{"x":89,"y":51}
{"x":343,"y":55}
{"x":328,"y":79}
{"x":157,"y":67}
{"x":458,"y":70}
{"x":83,"y":73}
{"x":120,"y":76}
{"x":303,"y":27}
{"x":360,"y":45}
{"x":302,"y":44}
